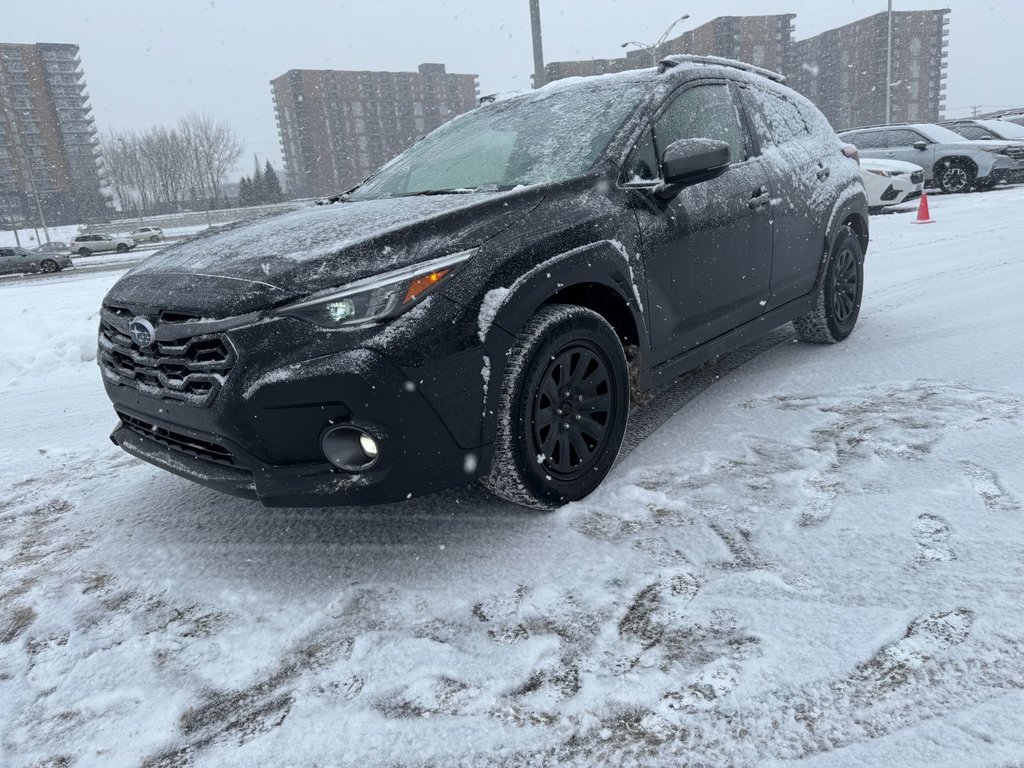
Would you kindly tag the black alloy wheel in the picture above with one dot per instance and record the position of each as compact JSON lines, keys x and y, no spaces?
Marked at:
{"x":562,"y":408}
{"x":122,"y":248}
{"x":837,"y":303}
{"x":845,"y":286}
{"x":48,"y":266}
{"x":84,"y":252}
{"x":572,"y":410}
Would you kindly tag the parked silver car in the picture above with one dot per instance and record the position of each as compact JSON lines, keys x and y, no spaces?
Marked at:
{"x":85,"y":245}
{"x":15,"y":260}
{"x":950,"y":161}
{"x":55,"y":246}
{"x":147,"y":235}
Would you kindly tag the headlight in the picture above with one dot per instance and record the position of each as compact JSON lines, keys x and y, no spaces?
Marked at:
{"x":380,"y":297}
{"x":887,"y":174}
{"x":997,"y":150}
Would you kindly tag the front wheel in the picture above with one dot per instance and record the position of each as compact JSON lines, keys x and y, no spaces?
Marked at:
{"x":563,"y":408}
{"x":837,"y":304}
{"x":956,"y":177}
{"x":154,"y":239}
{"x":122,"y":248}
{"x":48,"y":266}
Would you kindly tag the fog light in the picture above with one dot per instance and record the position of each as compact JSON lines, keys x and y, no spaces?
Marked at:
{"x":369,"y":446}
{"x":349,"y":448}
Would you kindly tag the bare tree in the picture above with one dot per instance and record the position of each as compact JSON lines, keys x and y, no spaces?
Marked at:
{"x":165,"y":156}
{"x":167,"y":166}
{"x":212,"y":149}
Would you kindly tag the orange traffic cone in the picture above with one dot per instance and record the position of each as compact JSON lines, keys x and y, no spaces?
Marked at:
{"x":923,"y":216}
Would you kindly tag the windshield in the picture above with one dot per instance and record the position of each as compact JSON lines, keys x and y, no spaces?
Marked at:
{"x":551,"y":135}
{"x":940,"y":134}
{"x":1006,"y":129}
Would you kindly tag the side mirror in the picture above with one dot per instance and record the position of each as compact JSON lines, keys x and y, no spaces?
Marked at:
{"x":921,"y":145}
{"x":689,"y":161}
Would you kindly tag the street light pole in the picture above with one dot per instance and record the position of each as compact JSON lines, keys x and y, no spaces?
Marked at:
{"x":653,"y":49}
{"x":888,"y":72}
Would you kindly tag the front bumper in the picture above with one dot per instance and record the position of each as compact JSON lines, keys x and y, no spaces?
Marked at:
{"x":260,"y":437}
{"x":1008,"y":175}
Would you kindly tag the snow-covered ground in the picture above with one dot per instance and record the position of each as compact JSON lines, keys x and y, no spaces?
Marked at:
{"x":28,"y":236}
{"x":819,"y":559}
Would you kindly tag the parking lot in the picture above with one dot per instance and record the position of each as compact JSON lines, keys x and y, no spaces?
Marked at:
{"x":808,"y":554}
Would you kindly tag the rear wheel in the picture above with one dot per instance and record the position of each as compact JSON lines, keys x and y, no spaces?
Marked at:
{"x":562,"y":410}
{"x":84,"y":252}
{"x":957,"y":176}
{"x":837,"y":304}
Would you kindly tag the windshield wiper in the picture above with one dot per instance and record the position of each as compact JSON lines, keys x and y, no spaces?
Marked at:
{"x":456,"y":191}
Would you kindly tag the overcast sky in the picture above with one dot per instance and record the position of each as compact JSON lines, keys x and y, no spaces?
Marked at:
{"x":149,"y":62}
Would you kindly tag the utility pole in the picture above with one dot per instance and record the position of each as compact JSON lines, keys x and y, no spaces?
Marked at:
{"x":538,"y":46}
{"x":888,"y":72}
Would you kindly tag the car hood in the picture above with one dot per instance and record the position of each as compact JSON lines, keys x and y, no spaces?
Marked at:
{"x":1000,"y":143}
{"x":257,"y":264}
{"x":896,"y":166}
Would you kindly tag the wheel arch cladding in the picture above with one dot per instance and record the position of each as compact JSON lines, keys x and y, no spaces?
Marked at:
{"x":948,"y":162}
{"x":598,"y":277}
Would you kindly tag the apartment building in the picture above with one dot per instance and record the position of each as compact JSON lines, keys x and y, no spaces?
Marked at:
{"x":843,"y":70}
{"x":49,"y":151}
{"x":336,"y":127}
{"x":766,"y":41}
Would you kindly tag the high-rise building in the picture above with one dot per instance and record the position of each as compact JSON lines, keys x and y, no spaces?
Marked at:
{"x":843,"y":70}
{"x":336,"y":127}
{"x":766,"y":41}
{"x":48,"y":146}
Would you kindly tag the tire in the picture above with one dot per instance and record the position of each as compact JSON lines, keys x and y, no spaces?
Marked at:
{"x":956,"y":177}
{"x":84,"y":252}
{"x":837,"y":303}
{"x":122,"y":248}
{"x":154,"y":239}
{"x":547,"y":452}
{"x":48,"y":266}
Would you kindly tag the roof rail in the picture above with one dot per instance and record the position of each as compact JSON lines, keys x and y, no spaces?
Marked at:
{"x":669,"y":62}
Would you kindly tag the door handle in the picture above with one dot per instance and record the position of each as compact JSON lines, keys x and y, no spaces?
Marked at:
{"x":760,"y":198}
{"x":823,"y":173}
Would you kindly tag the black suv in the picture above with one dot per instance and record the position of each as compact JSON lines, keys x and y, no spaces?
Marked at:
{"x":484,"y":305}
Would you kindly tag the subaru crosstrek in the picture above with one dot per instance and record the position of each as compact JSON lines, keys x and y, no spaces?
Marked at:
{"x":484,"y":305}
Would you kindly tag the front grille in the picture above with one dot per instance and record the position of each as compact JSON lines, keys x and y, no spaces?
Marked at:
{"x":1016,"y":153}
{"x":190,"y":370}
{"x":917,"y":177}
{"x":199,"y":449}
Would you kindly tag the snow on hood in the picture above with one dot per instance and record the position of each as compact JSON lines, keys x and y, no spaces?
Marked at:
{"x":888,"y":165}
{"x":322,"y":246}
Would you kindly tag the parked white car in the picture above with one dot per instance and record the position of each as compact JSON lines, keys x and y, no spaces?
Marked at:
{"x":85,"y":245}
{"x":890,"y":182}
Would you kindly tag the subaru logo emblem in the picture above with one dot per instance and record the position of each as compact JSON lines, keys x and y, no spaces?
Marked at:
{"x":142,"y":332}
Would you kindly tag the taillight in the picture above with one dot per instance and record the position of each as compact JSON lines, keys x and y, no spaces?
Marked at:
{"x":851,"y":152}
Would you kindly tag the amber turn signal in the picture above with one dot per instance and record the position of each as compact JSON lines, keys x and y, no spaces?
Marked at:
{"x":420,"y":284}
